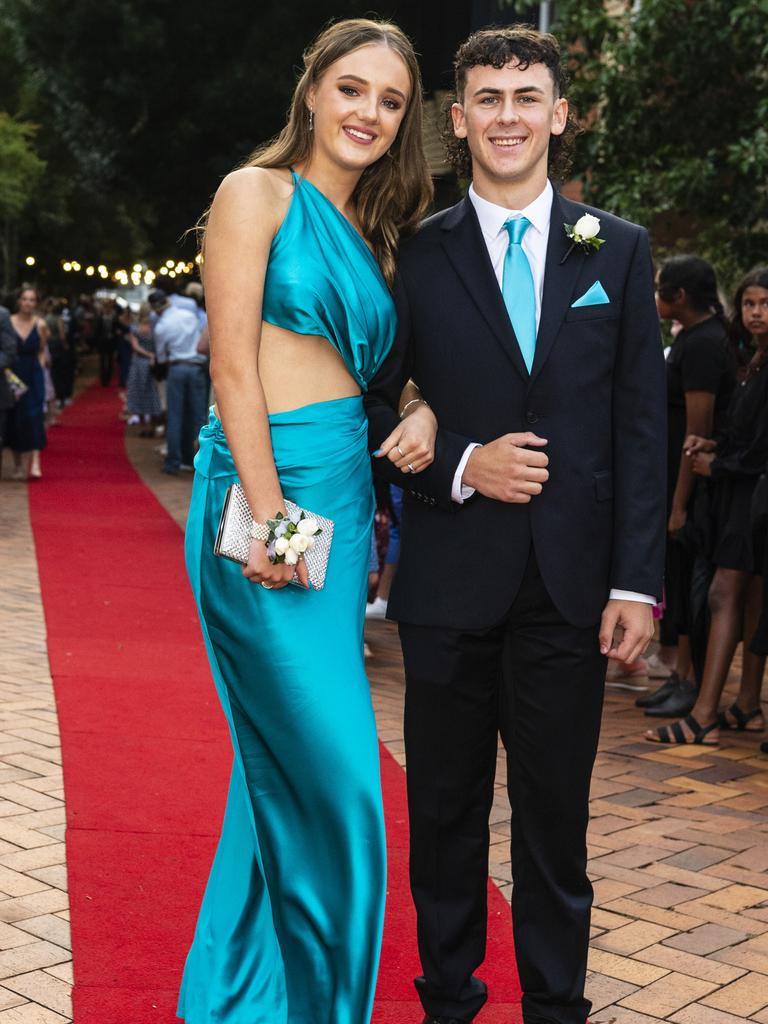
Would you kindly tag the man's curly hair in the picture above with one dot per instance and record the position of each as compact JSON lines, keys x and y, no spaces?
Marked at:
{"x":498,"y":47}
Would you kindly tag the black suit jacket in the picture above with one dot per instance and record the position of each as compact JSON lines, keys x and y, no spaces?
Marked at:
{"x":596,"y":391}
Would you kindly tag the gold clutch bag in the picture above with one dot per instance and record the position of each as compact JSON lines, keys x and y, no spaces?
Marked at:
{"x":233,"y":539}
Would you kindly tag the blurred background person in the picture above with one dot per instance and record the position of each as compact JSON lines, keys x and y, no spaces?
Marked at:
{"x":143,"y":403}
{"x":177,"y":331}
{"x":8,"y":348}
{"x":379,"y":596}
{"x":734,"y":461}
{"x":26,"y":424}
{"x":104,"y":338}
{"x":123,"y":325}
{"x":60,"y":350}
{"x":701,"y":376}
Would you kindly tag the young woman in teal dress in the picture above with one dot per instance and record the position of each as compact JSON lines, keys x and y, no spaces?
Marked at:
{"x":298,"y":259}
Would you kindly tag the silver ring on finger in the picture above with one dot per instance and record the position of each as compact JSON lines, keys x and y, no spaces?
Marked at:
{"x":267,"y":586}
{"x":400,"y":450}
{"x":410,"y":468}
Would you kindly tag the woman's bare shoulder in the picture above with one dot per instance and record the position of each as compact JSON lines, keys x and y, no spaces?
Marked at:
{"x":256,"y":190}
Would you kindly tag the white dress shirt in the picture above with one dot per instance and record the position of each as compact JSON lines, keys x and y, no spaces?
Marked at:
{"x":492,"y":219}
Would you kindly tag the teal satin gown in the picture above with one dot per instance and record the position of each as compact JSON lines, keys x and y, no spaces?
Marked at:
{"x":290,"y":925}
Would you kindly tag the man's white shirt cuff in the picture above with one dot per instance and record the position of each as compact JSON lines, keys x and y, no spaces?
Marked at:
{"x":460,"y":492}
{"x":630,"y":595}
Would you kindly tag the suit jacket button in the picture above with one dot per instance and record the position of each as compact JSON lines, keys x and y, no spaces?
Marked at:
{"x":531,"y":417}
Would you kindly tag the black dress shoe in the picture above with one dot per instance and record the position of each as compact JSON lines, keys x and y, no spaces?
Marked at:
{"x":445,"y":1020}
{"x":659,"y":696}
{"x":678,"y":704}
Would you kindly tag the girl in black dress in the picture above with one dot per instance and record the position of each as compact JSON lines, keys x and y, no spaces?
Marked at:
{"x":734,"y":462}
{"x":701,"y":375}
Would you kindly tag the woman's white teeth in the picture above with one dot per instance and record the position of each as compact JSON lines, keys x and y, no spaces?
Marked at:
{"x":508,"y":142}
{"x":360,"y":135}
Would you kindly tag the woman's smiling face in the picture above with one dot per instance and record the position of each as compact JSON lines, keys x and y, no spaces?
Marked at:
{"x":359,"y":105}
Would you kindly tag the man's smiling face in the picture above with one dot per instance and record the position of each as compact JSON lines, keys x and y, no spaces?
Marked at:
{"x":507,"y":116}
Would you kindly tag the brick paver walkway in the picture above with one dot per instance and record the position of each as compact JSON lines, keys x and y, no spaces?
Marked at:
{"x":35,"y":957}
{"x":678,"y":848}
{"x":678,"y":839}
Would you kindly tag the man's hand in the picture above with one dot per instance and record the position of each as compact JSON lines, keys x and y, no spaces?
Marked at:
{"x":507,"y":470}
{"x":632,"y":618}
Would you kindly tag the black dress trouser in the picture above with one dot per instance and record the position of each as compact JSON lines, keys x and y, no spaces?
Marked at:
{"x":538,"y":681}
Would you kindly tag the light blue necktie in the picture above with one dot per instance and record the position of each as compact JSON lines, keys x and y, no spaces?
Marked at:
{"x":518,"y":289}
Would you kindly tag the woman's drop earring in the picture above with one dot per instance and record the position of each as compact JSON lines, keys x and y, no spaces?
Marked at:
{"x":311,"y":120}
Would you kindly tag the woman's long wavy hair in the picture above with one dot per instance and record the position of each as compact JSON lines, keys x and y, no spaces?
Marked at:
{"x":395,"y":192}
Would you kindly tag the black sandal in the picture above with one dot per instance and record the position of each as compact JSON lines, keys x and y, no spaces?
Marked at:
{"x":742,"y":720}
{"x":674,"y":733}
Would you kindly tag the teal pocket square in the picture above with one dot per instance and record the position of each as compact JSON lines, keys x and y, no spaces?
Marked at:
{"x":595,"y":296}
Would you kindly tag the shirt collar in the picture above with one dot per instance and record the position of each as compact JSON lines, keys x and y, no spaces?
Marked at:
{"x":492,"y":217}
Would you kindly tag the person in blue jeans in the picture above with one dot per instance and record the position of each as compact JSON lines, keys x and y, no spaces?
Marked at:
{"x":377,"y":606}
{"x":177,"y":332}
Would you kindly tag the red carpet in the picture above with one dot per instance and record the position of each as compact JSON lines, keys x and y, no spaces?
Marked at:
{"x":145,"y":747}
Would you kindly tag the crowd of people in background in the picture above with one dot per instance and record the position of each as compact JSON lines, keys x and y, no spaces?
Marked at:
{"x":157,"y":353}
{"x":717,"y":487}
{"x":717,"y":507}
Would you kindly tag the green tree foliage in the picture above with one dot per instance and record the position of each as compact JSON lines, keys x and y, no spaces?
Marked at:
{"x":20,"y":170}
{"x":675,"y":96}
{"x":145,"y":106}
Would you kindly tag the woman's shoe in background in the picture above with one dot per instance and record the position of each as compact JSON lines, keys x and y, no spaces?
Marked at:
{"x":658,"y":696}
{"x":377,"y":609}
{"x":678,"y":704}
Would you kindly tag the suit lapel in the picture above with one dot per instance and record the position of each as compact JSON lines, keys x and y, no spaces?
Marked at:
{"x":466,"y":249}
{"x":559,"y":279}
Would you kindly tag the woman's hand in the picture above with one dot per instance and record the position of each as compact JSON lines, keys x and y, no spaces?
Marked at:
{"x":693,"y":444}
{"x":702,"y":463}
{"x":677,"y":520}
{"x":274,"y":577}
{"x":411,"y":445}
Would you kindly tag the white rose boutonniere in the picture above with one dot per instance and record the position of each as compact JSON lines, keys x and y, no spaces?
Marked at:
{"x":584,"y":234}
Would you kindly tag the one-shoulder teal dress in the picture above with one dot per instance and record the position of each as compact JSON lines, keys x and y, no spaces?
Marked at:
{"x":290,"y":925}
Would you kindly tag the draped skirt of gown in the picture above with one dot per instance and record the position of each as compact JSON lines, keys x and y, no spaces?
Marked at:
{"x":290,"y":925}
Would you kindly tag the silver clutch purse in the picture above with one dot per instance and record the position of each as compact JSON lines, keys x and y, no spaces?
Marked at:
{"x":233,"y":539}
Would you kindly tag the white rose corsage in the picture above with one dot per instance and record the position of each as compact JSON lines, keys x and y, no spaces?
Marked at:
{"x":291,"y":536}
{"x":584,"y":234}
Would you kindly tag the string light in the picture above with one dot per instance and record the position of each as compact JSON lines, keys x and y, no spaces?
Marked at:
{"x":30,"y":261}
{"x":138,"y":274}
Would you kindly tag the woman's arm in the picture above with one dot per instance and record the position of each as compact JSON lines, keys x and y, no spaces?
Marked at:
{"x":137,"y":347}
{"x":246,"y":213}
{"x":42,"y":352}
{"x":204,"y":342}
{"x":699,"y":416}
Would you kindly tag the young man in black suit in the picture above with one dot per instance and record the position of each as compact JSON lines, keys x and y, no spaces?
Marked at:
{"x":521,"y":552}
